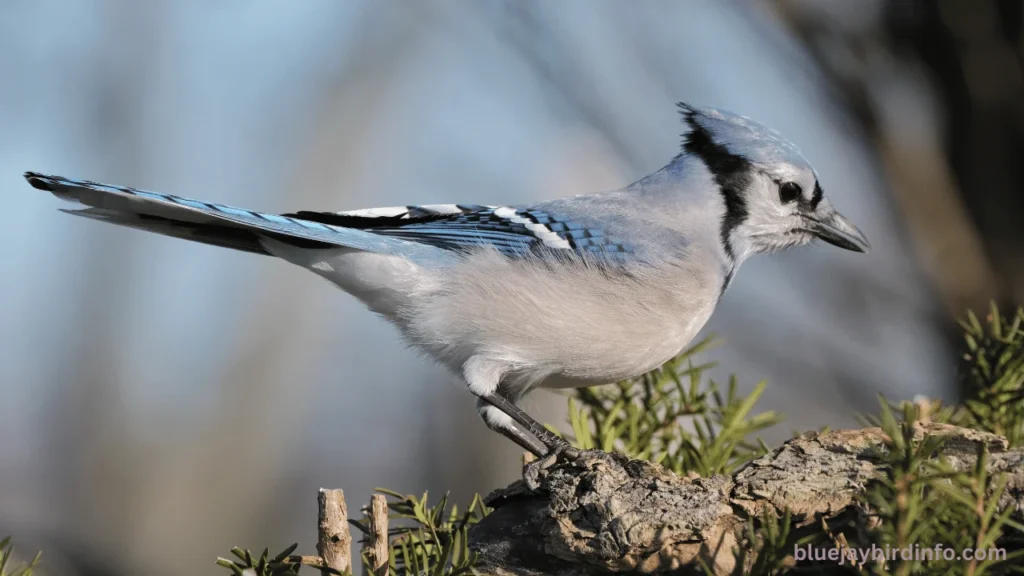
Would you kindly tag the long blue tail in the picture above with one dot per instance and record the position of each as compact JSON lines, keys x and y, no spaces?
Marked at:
{"x":211,"y":223}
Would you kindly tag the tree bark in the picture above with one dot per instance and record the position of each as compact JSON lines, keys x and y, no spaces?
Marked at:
{"x":377,"y":540}
{"x":334,"y":541}
{"x":605,"y":512}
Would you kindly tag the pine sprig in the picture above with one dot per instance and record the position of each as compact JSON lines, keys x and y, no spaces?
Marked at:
{"x":435,"y":540}
{"x":772,"y":540}
{"x":674,"y":416}
{"x":7,"y":557}
{"x":246,"y":564}
{"x":922,"y":503}
{"x":992,"y":375}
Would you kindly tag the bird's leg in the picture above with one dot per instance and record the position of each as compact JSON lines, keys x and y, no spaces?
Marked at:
{"x":556,"y":447}
{"x":549,"y":439}
{"x":501,"y":423}
{"x":483,"y":377}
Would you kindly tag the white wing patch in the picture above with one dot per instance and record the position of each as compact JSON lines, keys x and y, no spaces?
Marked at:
{"x":404,"y":212}
{"x":542,"y":232}
{"x":388,"y":212}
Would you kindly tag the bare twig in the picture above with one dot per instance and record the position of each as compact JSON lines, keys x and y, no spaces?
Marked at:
{"x":335,"y":542}
{"x":311,"y":561}
{"x":377,"y":540}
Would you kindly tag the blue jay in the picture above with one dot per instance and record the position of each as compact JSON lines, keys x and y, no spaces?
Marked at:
{"x":568,"y":293}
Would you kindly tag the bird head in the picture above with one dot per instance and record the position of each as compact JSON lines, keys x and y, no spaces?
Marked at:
{"x":771,"y":195}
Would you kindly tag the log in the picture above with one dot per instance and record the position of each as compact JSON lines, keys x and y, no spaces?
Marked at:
{"x":606,"y":512}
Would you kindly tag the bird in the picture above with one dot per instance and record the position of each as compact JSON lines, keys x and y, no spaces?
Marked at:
{"x":566,"y":293}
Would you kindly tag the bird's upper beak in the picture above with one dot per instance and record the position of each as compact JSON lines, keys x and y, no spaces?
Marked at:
{"x":834,"y":228}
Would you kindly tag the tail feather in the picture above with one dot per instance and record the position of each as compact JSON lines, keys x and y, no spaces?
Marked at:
{"x":211,"y":223}
{"x":223,"y":236}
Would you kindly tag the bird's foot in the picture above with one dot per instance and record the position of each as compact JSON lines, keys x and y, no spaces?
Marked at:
{"x":561,"y":450}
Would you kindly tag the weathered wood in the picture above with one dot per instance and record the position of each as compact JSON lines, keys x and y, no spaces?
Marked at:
{"x":607,"y":512}
{"x":334,"y":541}
{"x":377,"y":544}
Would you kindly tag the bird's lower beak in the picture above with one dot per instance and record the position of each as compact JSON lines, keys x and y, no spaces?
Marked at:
{"x":834,"y":228}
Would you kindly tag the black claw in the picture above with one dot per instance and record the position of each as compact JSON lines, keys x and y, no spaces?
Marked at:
{"x":531,"y":475}
{"x":562,"y":450}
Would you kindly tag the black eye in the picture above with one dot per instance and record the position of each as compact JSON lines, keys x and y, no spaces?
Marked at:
{"x":789,"y":191}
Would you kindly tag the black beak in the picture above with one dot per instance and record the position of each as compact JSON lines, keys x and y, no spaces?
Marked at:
{"x":834,"y":228}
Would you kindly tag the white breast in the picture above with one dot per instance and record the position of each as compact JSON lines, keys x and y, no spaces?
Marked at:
{"x":564,"y":325}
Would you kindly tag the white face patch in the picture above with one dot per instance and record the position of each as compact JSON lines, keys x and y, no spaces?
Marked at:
{"x":542,"y":232}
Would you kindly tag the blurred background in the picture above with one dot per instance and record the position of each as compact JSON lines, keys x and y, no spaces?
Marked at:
{"x":162,"y":401}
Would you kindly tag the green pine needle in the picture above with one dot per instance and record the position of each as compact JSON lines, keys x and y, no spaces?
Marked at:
{"x":673,"y":416}
{"x":6,"y":559}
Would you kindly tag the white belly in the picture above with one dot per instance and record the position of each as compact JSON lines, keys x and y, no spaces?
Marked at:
{"x":563,"y":327}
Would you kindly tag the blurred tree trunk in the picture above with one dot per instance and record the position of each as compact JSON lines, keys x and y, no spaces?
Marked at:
{"x":937,"y":85}
{"x":974,"y":49}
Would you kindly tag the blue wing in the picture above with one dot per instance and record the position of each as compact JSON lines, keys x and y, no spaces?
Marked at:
{"x":513,"y":232}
